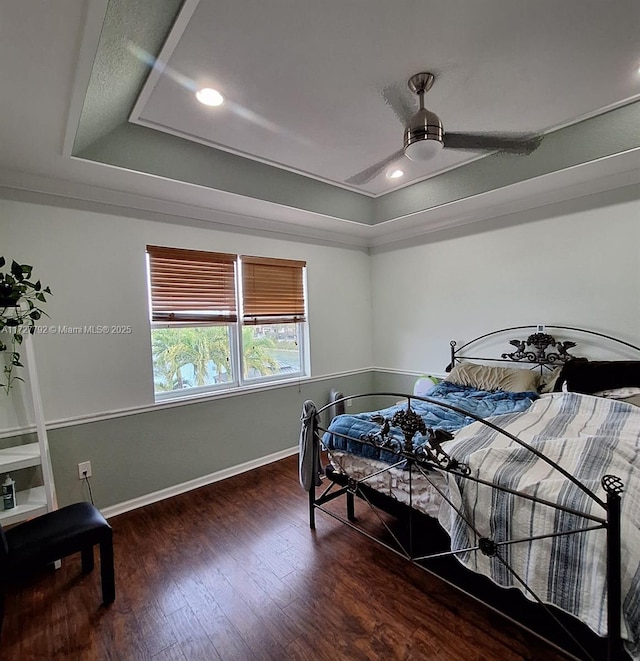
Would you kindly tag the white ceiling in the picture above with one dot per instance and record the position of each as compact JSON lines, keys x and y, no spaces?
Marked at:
{"x":303,"y":81}
{"x":304,"y":78}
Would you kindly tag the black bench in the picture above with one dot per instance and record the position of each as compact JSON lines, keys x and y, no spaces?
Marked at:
{"x":30,"y":546}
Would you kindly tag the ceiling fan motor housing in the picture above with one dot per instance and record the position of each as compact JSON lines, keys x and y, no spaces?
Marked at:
{"x":424,"y":135}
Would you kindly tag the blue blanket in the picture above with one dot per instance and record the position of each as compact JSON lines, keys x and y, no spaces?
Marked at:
{"x":479,"y":402}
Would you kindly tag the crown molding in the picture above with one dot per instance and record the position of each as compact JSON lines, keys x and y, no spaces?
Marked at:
{"x":300,"y":226}
{"x":604,"y":174}
{"x":235,"y":213}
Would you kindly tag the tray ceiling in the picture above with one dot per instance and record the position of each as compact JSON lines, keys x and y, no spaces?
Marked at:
{"x":303,"y":81}
{"x":98,"y":105}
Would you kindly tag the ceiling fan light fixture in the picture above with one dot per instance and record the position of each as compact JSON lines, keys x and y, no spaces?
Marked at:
{"x":209,"y":97}
{"x":423,"y":138}
{"x":423,"y":150}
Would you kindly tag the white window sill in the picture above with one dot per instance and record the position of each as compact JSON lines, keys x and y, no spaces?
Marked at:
{"x":233,"y":391}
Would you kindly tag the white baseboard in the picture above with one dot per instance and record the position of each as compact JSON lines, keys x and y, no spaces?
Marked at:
{"x":176,"y":489}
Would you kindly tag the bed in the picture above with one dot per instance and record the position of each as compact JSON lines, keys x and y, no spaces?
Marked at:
{"x":536,"y":490}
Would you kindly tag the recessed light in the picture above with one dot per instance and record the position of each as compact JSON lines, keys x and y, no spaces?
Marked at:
{"x":395,"y":174}
{"x":209,"y":97}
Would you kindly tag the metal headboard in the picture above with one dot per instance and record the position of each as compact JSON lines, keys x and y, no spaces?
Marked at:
{"x":539,"y":350}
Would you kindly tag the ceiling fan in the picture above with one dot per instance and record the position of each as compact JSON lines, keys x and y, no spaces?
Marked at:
{"x":424,"y":135}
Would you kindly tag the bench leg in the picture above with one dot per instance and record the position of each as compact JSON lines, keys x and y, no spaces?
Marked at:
{"x":107,"y":570}
{"x":87,"y":559}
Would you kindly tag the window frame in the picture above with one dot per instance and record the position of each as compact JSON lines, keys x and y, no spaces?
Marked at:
{"x":235,"y":328}
{"x":302,"y":335}
{"x":197,"y":391}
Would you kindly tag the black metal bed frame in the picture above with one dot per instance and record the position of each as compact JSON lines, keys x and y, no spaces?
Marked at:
{"x":539,"y":350}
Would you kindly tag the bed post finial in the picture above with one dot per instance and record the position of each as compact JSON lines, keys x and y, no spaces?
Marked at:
{"x":451,"y":365}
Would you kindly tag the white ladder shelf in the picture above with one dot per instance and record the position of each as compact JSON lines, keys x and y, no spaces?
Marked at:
{"x":40,"y":499}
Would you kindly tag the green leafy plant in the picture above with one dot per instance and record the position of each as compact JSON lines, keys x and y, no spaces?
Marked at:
{"x":20,"y":301}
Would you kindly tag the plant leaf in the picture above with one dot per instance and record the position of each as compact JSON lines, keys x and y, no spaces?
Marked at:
{"x":2,"y":262}
{"x":16,"y":270}
{"x":35,"y":314}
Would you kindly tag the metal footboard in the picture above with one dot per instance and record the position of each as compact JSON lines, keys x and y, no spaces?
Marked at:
{"x":421,"y":463}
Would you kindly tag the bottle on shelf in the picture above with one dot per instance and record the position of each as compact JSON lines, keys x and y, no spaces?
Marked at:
{"x":8,"y":493}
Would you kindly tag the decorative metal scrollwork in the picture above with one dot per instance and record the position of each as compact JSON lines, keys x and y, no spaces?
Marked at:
{"x":488,"y":546}
{"x":352,"y":485}
{"x":432,"y":451}
{"x":539,"y":348}
{"x":410,"y":423}
{"x":612,"y":484}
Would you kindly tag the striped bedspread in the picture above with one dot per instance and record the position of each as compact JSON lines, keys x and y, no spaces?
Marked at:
{"x":589,"y":437}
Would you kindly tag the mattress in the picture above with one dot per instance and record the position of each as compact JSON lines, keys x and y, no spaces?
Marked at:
{"x":426,"y":488}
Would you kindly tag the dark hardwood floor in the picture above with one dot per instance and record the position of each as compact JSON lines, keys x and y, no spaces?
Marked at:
{"x":232,"y":571}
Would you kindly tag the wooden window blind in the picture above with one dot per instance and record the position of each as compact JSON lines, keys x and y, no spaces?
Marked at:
{"x":192,"y":286}
{"x":272,"y":290}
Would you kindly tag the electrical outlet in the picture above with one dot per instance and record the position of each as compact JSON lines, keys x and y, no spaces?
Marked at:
{"x":540,"y":328}
{"x":84,"y":470}
{"x":348,"y":403}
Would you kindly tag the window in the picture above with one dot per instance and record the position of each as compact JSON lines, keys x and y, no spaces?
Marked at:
{"x":220,"y":321}
{"x":273,"y":309}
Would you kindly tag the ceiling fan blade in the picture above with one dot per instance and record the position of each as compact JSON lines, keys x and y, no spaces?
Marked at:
{"x":400,"y":101}
{"x":373,"y":170}
{"x":514,"y":143}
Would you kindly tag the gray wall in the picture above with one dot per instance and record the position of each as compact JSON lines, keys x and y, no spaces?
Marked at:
{"x":136,"y":455}
{"x":97,"y":390}
{"x":575,"y":263}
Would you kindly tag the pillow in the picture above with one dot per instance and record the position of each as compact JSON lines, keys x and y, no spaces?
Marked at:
{"x":484,"y":377}
{"x":589,"y":377}
{"x":618,"y":393}
{"x":634,"y":399}
{"x":424,"y":383}
{"x":630,"y":395}
{"x":548,"y":382}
